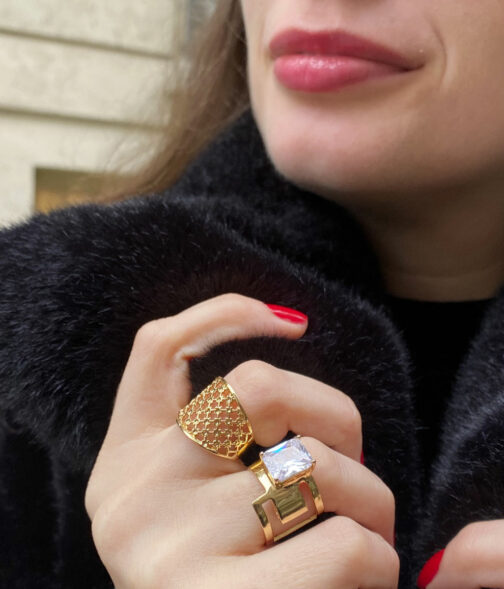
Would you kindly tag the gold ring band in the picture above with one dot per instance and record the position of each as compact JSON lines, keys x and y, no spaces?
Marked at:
{"x":281,"y":485}
{"x":216,"y":420}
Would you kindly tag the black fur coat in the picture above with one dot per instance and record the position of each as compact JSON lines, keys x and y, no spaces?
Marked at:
{"x":76,"y":285}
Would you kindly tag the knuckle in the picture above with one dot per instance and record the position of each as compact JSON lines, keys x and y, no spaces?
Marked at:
{"x":148,"y":336}
{"x":121,"y":531}
{"x":355,"y":418}
{"x":251,"y":369}
{"x":347,"y":538}
{"x":103,"y":530}
{"x":349,"y":535}
{"x":111,"y":528}
{"x":257,"y":380}
{"x":90,"y":499}
{"x":238,"y":306}
{"x":157,"y":336}
{"x":355,"y":543}
{"x":392,"y":560}
{"x":113,"y":541}
{"x":355,"y":538}
{"x":93,"y":492}
{"x":469,"y":549}
{"x":233,"y":304}
{"x":388,"y":503}
{"x":317,"y":446}
{"x":155,"y":571}
{"x":395,"y":561}
{"x":351,"y":427}
{"x":233,"y":298}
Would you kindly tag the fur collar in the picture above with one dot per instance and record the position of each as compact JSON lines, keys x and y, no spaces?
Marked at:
{"x":77,"y":284}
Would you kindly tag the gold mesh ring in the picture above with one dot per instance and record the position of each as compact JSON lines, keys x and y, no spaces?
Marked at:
{"x":216,"y":420}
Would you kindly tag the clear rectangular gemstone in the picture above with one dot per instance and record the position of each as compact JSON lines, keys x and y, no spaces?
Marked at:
{"x":287,"y":459}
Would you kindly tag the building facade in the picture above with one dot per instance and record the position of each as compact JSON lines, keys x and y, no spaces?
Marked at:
{"x":81,"y":82}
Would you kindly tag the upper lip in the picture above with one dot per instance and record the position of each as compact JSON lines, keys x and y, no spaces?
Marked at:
{"x":335,"y":42}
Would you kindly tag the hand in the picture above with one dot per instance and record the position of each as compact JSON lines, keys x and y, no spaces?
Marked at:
{"x":168,"y":513}
{"x":473,"y":559}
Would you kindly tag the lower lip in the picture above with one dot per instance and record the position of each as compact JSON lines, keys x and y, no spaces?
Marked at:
{"x":326,"y":73}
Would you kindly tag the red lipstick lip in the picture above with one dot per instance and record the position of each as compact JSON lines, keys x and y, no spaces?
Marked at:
{"x":335,"y":42}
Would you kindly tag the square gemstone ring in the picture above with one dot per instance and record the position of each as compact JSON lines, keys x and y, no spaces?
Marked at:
{"x":287,"y":462}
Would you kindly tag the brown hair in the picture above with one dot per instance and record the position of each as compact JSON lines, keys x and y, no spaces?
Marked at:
{"x":209,"y":93}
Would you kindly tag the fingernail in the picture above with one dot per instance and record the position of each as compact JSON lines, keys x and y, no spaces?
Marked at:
{"x":430,"y":570}
{"x":288,"y":314}
{"x":362,"y":457}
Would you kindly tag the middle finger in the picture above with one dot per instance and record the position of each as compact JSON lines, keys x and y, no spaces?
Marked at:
{"x":277,"y":401}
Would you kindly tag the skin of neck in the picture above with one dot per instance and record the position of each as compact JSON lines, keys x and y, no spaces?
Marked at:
{"x":449,"y":247}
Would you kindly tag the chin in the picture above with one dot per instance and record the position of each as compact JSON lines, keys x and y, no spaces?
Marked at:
{"x":314,"y":148}
{"x":325,"y":168}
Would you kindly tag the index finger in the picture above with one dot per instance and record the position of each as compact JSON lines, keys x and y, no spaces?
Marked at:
{"x":156,"y":384}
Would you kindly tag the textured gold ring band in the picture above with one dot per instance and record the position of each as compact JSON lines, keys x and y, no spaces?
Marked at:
{"x":216,"y":420}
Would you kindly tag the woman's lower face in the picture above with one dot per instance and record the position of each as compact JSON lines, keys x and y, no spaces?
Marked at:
{"x":432,"y":128}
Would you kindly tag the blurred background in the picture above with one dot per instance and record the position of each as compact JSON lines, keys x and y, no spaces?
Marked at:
{"x":84,"y":84}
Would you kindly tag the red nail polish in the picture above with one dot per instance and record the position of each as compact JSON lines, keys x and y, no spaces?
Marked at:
{"x":362,"y":457}
{"x":288,"y":314}
{"x":429,"y":570}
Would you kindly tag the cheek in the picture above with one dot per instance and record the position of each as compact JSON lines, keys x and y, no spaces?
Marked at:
{"x":444,"y":126}
{"x":469,"y":105}
{"x":257,"y":61}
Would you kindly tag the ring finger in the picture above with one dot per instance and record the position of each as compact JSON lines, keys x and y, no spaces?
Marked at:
{"x":346,"y":487}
